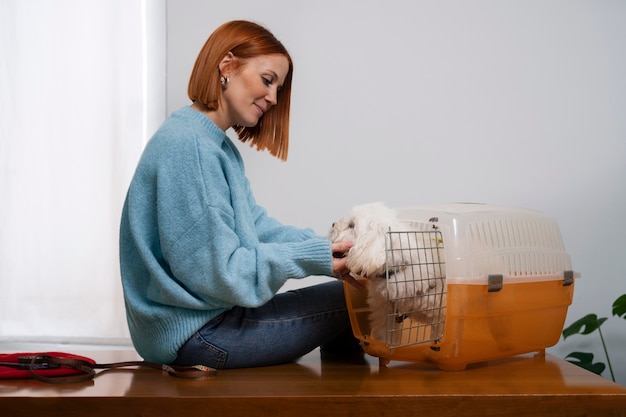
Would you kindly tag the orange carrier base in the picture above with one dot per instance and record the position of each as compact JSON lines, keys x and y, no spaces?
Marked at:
{"x":479,"y":325}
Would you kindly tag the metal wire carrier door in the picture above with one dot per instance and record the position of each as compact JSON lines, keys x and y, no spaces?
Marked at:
{"x":416,"y":287}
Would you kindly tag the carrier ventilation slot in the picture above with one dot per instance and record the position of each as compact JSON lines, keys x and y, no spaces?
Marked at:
{"x":516,"y":248}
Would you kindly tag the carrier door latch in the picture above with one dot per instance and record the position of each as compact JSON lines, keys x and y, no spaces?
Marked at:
{"x":568,"y":278}
{"x":494,"y":282}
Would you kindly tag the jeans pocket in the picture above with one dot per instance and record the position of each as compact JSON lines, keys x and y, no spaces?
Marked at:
{"x":198,"y":351}
{"x":211,"y":354}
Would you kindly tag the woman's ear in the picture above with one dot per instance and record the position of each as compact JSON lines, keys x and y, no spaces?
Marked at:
{"x":227,"y":63}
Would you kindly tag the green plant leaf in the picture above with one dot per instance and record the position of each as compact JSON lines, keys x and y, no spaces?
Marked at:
{"x":619,"y":307}
{"x":586,"y":325}
{"x":585,"y":360}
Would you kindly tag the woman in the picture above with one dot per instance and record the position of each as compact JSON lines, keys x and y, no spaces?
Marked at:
{"x":201,"y":262}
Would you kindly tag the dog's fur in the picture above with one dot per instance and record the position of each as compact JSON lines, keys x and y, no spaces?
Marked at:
{"x":415,"y":290}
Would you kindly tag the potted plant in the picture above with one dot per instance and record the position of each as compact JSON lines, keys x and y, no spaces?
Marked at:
{"x":587,"y":325}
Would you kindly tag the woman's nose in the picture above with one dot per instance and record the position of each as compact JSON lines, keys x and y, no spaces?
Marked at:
{"x":272,"y":97}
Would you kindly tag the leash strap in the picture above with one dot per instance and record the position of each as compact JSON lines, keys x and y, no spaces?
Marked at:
{"x":87,"y":370}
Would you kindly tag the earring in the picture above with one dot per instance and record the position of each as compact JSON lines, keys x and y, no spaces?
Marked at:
{"x":224,"y":81}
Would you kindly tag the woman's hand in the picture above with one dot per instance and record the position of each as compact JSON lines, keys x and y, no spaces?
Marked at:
{"x":340,"y":260}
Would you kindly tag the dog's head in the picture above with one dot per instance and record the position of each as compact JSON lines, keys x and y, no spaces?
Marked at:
{"x":366,"y":226}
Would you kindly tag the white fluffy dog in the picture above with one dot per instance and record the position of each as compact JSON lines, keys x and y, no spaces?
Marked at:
{"x":405,"y":269}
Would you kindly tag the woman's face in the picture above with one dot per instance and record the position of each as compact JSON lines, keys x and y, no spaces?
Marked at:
{"x":253,"y":89}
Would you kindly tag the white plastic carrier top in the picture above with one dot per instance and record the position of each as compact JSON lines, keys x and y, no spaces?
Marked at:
{"x":480,"y":240}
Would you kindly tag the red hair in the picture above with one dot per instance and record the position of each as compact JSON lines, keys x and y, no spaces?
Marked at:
{"x":244,"y":40}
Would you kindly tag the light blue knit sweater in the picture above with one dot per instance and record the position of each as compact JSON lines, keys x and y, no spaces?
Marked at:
{"x":193,"y":242}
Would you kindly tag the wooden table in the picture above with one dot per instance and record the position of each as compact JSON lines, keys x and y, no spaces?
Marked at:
{"x":519,"y":386}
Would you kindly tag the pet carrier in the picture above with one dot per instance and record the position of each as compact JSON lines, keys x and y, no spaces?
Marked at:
{"x":483,"y":282}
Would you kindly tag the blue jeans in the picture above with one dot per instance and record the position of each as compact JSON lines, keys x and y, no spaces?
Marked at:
{"x":292,"y":324}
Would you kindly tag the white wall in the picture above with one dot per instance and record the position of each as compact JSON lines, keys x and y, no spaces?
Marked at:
{"x":519,"y":103}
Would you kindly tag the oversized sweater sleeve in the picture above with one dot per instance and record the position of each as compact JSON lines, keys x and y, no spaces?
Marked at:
{"x":222,"y":272}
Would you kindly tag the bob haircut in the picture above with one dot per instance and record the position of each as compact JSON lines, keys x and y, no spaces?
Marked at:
{"x":244,"y":40}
